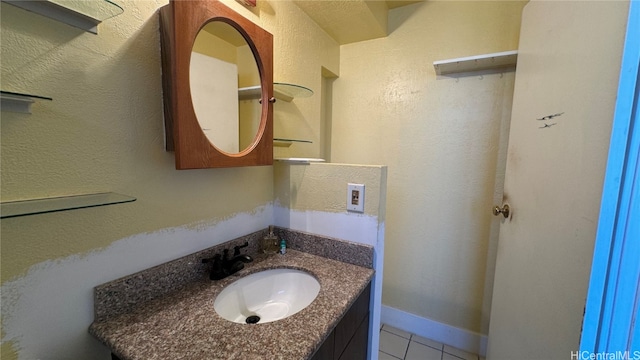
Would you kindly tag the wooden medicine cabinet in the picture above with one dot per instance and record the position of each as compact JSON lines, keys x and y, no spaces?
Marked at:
{"x":209,"y":52}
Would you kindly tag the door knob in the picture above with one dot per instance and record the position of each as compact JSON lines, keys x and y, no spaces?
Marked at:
{"x":497,"y":210}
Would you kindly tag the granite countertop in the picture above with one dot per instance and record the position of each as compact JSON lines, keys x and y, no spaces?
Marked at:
{"x":184,"y":324}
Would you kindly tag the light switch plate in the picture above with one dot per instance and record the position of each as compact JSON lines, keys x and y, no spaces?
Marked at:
{"x":355,"y":197}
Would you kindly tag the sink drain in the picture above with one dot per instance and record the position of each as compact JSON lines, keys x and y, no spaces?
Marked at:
{"x":253,"y":319}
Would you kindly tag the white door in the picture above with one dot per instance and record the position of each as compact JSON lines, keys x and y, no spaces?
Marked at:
{"x":567,"y":75}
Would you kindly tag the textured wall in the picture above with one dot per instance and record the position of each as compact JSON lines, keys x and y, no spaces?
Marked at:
{"x":103,"y":132}
{"x":323,"y":187}
{"x":440,"y":138}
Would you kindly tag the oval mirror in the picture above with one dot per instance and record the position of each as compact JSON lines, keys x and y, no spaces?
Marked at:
{"x":232,"y":140}
{"x":222,"y":62}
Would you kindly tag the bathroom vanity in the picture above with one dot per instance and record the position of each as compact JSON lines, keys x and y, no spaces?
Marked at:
{"x":167,"y":312}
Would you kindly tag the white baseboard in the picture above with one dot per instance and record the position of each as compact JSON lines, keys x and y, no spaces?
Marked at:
{"x":450,"y":335}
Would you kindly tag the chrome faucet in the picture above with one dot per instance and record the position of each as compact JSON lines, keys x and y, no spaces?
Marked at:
{"x":223,"y":266}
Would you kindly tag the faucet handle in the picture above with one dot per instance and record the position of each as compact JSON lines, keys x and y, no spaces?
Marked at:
{"x":236,"y":249}
{"x":213,"y":259}
{"x":217,"y":270}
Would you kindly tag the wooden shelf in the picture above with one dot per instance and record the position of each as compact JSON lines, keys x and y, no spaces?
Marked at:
{"x":47,"y":205}
{"x":85,"y":15}
{"x":18,"y":102}
{"x":476,"y":63}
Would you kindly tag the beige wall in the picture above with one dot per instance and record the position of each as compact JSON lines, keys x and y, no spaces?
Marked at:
{"x":103,"y":132}
{"x":323,"y":187}
{"x":440,"y":138}
{"x":206,"y":43}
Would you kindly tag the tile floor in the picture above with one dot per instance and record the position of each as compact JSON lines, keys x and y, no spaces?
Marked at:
{"x":397,"y":344}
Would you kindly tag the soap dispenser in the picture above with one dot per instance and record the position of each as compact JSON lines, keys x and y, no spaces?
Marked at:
{"x":270,"y":242}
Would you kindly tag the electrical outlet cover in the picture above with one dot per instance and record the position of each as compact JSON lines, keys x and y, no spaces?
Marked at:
{"x":355,"y":197}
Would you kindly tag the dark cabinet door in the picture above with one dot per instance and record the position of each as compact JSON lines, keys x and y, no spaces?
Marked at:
{"x":349,"y":339}
{"x":351,"y":321}
{"x":326,"y":350}
{"x":357,"y":347}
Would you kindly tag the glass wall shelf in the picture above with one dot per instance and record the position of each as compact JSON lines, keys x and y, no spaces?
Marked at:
{"x":288,"y":92}
{"x":301,"y":161}
{"x":18,"y":102}
{"x":282,"y":91}
{"x":83,"y":14}
{"x":287,"y":142}
{"x":47,"y":205}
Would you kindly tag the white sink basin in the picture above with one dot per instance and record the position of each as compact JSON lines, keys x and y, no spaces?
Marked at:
{"x":267,"y":296}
